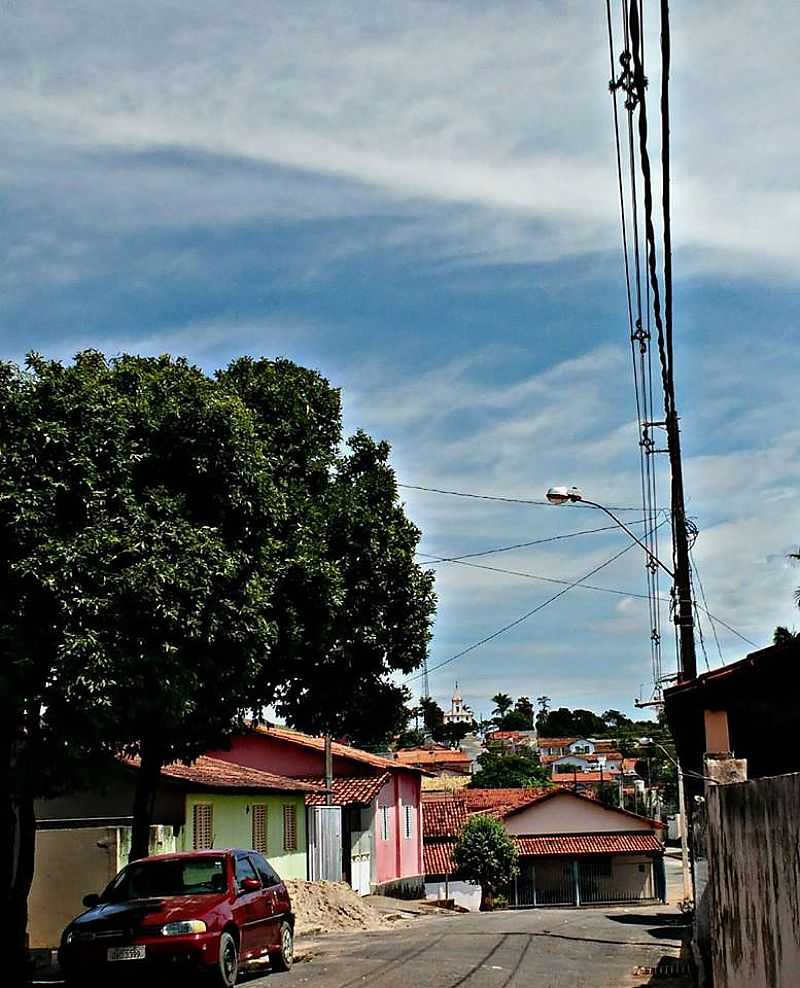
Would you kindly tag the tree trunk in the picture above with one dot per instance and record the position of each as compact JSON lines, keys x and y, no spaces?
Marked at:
{"x":487,"y":899}
{"x":17,"y":849}
{"x":147,"y":780}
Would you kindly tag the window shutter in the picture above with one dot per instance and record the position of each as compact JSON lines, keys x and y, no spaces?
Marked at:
{"x":202,"y":826}
{"x":289,"y":827}
{"x":409,"y":822}
{"x":259,"y":823}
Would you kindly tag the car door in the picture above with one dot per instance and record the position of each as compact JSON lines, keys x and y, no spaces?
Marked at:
{"x":249,"y":910}
{"x":276,"y":898}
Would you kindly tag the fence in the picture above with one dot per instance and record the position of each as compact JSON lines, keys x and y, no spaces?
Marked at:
{"x":591,"y":881}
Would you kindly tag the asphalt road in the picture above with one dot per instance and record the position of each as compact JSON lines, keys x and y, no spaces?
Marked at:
{"x":545,"y":948}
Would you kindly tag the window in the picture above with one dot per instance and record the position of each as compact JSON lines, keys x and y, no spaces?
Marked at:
{"x":244,"y":869}
{"x":258,"y":821}
{"x":202,"y":826}
{"x":384,"y":822}
{"x":289,"y":827}
{"x":265,"y":871}
{"x":408,"y":821}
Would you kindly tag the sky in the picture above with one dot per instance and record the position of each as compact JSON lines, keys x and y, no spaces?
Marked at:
{"x":419,"y":199}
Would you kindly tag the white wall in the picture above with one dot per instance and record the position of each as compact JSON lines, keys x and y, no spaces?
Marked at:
{"x":464,"y":894}
{"x":568,"y":814}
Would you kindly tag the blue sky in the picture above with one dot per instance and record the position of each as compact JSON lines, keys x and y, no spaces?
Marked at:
{"x":419,"y":199}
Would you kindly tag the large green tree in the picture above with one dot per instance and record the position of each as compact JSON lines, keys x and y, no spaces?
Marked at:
{"x":498,"y":769}
{"x":485,"y":854}
{"x":178,"y":552}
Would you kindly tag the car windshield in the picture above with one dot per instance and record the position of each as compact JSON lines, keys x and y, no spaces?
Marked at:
{"x":178,"y":876}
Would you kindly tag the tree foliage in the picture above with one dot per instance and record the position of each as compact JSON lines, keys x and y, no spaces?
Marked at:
{"x":178,"y":552}
{"x":498,"y":769}
{"x":485,"y":854}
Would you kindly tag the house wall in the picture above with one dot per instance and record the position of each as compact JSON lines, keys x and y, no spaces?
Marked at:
{"x":271,"y":753}
{"x":565,"y":814}
{"x":69,"y":865}
{"x":399,"y":856}
{"x":753,"y":892}
{"x":464,"y":894}
{"x":232,"y":823}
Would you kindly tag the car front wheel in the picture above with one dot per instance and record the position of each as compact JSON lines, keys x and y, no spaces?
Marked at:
{"x":282,"y":959}
{"x":228,"y":964}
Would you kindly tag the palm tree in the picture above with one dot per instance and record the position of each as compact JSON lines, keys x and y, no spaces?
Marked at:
{"x":502,"y":704}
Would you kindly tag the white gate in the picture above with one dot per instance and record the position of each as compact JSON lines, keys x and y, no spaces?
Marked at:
{"x":361,"y":850}
{"x":325,"y":843}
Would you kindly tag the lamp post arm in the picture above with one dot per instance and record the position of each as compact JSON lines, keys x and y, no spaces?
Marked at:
{"x":625,"y":528}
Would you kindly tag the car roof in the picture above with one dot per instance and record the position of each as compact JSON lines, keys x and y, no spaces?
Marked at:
{"x":212,"y":852}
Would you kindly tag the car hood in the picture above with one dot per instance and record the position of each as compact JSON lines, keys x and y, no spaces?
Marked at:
{"x":147,"y":912}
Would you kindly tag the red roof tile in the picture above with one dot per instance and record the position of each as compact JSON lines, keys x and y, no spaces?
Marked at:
{"x":443,"y":816}
{"x":437,"y":858}
{"x":555,"y":742}
{"x":341,"y":750}
{"x":500,"y":801}
{"x":349,"y":790}
{"x":607,"y":775}
{"x":212,"y":773}
{"x":422,"y":756}
{"x":576,"y":845}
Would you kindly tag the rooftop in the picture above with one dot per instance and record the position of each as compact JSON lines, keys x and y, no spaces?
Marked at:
{"x":214,"y":774}
{"x":443,"y":817}
{"x":348,"y":790}
{"x":424,"y":756}
{"x":339,"y":750}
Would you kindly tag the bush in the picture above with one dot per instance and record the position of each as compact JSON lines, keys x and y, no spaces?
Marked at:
{"x":486,"y":855}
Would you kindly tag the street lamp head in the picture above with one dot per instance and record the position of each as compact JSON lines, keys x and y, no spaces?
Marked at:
{"x":562,"y":495}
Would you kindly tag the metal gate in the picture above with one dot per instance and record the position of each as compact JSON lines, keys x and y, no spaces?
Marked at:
{"x":361,"y":849}
{"x":325,"y":843}
{"x":546,"y":883}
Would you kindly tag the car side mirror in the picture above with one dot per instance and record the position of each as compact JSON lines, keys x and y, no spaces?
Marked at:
{"x":250,"y":885}
{"x":91,"y":900}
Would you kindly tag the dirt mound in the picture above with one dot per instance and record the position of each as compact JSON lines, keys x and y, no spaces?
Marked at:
{"x":325,"y":907}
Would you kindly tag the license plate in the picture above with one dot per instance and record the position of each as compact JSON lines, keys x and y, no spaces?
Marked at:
{"x":126,"y":953}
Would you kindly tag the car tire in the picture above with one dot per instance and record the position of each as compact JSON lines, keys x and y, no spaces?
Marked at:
{"x":281,"y":960}
{"x":227,"y":970}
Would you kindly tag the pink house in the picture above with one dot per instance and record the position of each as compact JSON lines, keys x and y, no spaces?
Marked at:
{"x":380,"y":800}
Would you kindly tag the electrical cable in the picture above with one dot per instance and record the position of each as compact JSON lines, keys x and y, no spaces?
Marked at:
{"x":705,"y":602}
{"x":497,"y":497}
{"x":526,"y":545}
{"x":528,"y":614}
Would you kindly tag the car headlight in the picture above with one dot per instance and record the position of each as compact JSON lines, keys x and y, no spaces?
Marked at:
{"x":183,"y":927}
{"x":70,"y":937}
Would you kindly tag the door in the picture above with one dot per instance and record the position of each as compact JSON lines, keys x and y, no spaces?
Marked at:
{"x":250,"y":911}
{"x":275,"y":898}
{"x":361,"y":849}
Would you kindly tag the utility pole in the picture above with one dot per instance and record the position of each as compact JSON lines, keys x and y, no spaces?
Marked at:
{"x":684,"y":616}
{"x":328,"y":771}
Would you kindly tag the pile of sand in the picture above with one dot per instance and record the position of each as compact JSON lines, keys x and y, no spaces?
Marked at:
{"x":326,"y":907}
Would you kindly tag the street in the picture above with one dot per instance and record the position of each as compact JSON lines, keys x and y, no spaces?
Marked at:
{"x":549,"y":948}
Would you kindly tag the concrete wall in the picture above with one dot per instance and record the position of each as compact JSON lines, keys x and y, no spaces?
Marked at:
{"x":69,"y":865}
{"x":464,"y":894}
{"x":232,"y":827}
{"x":567,"y":814}
{"x":754,"y":883}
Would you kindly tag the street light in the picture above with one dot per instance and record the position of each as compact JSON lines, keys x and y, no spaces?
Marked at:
{"x":567,"y":495}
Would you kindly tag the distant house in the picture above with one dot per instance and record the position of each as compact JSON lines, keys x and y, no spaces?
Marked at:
{"x":512,"y":741}
{"x":84,"y":838}
{"x":573,"y":850}
{"x":438,"y":761}
{"x":381,"y":826}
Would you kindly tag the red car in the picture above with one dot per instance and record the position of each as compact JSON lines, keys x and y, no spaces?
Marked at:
{"x":203,"y":911}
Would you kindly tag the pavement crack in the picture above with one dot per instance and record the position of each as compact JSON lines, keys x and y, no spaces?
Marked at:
{"x":476,"y":967}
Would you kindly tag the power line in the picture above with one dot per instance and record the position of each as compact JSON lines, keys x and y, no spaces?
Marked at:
{"x":526,"y":545}
{"x":497,"y":497}
{"x":705,"y":602}
{"x":580,"y":585}
{"x":524,"y":617}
